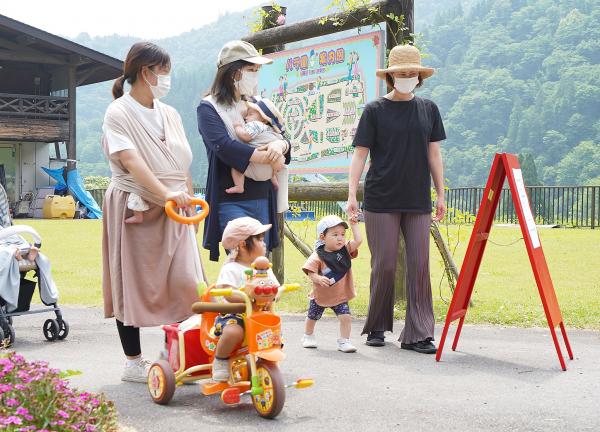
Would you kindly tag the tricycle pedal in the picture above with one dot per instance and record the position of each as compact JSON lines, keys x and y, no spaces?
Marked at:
{"x":231,"y":395}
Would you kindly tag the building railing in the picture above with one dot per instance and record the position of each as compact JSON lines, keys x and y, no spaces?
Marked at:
{"x":31,"y":106}
{"x":575,"y":206}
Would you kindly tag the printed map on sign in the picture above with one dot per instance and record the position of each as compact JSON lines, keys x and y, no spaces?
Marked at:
{"x":321,"y":90}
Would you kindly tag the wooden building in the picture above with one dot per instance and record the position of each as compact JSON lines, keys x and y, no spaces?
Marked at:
{"x":39,"y":76}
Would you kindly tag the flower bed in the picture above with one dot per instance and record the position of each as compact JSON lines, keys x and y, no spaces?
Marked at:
{"x":35,"y":397}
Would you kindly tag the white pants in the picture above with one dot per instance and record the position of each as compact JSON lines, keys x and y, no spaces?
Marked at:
{"x":136,"y":203}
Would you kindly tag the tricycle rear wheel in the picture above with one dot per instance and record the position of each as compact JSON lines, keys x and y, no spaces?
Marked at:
{"x":270,"y":403}
{"x":161,"y":382}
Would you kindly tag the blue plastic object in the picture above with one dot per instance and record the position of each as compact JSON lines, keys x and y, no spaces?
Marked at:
{"x":75,"y":184}
{"x":300,"y":216}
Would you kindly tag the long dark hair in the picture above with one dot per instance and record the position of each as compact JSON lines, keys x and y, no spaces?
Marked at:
{"x":140,"y":54}
{"x":223,"y":88}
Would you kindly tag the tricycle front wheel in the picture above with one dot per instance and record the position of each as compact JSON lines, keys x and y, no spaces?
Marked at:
{"x":270,"y":402}
{"x":161,"y":382}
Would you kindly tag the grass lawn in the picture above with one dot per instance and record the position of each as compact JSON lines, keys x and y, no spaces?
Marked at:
{"x":505,"y":291}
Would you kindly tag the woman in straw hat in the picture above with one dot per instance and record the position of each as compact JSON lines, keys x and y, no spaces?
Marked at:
{"x":402,"y":134}
{"x":236,"y":79}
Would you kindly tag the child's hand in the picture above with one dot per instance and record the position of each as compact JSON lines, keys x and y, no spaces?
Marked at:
{"x":323,"y":281}
{"x":353,"y":219}
{"x":280,"y":290}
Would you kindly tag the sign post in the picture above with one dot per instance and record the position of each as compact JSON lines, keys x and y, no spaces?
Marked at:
{"x":505,"y":166}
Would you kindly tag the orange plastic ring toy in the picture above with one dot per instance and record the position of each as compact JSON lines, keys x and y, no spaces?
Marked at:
{"x":171,"y":205}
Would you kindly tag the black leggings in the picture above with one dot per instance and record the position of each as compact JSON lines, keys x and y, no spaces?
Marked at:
{"x":130,"y":339}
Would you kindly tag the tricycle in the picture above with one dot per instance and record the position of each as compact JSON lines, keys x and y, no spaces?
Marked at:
{"x":254,"y":365}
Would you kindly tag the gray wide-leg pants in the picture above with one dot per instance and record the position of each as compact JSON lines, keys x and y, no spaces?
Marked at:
{"x":383,"y":236}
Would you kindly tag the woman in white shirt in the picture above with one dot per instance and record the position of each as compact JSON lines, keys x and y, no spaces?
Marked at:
{"x":150,"y":269}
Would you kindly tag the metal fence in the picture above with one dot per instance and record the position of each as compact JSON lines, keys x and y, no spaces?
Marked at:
{"x":576,"y":206}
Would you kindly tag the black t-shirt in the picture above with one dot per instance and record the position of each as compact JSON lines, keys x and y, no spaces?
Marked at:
{"x":397,"y":134}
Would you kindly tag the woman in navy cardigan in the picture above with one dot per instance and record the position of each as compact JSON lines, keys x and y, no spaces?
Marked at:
{"x":236,"y":78}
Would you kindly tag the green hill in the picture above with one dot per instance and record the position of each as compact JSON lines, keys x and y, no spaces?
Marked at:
{"x":520,"y":76}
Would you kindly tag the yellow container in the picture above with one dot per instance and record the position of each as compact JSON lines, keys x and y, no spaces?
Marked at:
{"x":59,"y":207}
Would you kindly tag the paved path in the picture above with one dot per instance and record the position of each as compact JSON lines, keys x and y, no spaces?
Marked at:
{"x":502,"y":379}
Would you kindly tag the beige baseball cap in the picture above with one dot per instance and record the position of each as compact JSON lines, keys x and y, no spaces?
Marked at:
{"x":240,"y":229}
{"x":240,"y":50}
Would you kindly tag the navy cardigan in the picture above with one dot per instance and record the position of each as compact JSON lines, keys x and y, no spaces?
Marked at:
{"x":223,"y":152}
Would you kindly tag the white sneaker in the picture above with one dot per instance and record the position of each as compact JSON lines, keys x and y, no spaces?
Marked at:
{"x":344,"y":345}
{"x":309,"y":341}
{"x":220,"y":370}
{"x":136,"y":372}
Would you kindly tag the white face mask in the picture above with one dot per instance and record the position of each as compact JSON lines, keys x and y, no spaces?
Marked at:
{"x":162,"y":87}
{"x":406,"y":85}
{"x":248,"y":83}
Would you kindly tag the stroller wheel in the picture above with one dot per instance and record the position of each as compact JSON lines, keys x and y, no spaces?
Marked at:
{"x":11,"y":335}
{"x":63,"y":330}
{"x":51,"y":329}
{"x":7,"y":336}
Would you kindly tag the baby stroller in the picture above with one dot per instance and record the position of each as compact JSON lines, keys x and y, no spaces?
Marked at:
{"x":16,"y":289}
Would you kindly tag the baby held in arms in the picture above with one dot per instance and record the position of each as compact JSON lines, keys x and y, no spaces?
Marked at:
{"x":262,"y":126}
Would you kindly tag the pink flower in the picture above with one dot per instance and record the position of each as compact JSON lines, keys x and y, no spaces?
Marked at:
{"x":281,"y":20}
{"x":25,"y":413}
{"x":62,"y":414}
{"x":12,"y":402}
{"x":13,"y":420}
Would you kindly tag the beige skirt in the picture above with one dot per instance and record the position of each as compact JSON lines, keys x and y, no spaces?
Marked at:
{"x":151,"y":270}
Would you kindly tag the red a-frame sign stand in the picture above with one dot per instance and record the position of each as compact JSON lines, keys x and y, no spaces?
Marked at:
{"x":505,"y":166}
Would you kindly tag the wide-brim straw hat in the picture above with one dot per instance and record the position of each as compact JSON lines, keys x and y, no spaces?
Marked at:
{"x":405,"y":58}
{"x":268,"y":111}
